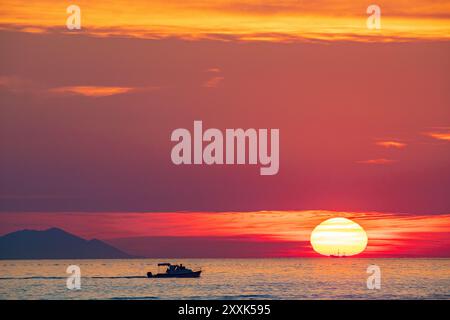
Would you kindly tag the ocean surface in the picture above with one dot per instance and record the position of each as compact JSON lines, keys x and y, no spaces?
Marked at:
{"x":319,"y":278}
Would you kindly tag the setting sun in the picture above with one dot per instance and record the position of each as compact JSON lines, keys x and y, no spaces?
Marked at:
{"x":338,"y":237}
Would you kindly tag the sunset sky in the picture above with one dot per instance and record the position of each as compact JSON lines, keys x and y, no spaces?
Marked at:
{"x":267,"y":20}
{"x":364,"y":120}
{"x":242,"y":234}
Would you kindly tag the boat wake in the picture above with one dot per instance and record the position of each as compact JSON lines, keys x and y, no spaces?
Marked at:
{"x":58,"y":278}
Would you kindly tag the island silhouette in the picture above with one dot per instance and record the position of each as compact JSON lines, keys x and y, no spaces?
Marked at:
{"x":55,"y":243}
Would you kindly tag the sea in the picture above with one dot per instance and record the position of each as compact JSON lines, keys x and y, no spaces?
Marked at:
{"x":290,"y":278}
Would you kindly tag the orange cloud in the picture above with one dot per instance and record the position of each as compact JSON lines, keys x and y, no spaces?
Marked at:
{"x":445,"y":136}
{"x":92,"y":91}
{"x":216,"y":70}
{"x":391,"y":144}
{"x":213,"y":82}
{"x":19,"y":85}
{"x":377,"y":161}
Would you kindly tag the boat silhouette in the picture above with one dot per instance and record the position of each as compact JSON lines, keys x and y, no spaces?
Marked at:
{"x":338,"y":255}
{"x":175,"y":271}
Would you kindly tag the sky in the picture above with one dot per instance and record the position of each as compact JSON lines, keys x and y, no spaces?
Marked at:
{"x":242,"y":234}
{"x":364,"y":120}
{"x":267,"y":20}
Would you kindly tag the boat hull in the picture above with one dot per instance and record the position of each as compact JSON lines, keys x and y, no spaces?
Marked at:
{"x":194,"y":274}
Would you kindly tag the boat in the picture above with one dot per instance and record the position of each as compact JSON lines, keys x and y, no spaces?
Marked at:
{"x":338,"y":255}
{"x":175,"y":271}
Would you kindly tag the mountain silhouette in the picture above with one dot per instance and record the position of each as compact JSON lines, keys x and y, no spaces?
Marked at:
{"x":55,"y":243}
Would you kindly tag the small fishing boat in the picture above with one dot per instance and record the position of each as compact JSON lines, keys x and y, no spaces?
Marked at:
{"x":175,"y":271}
{"x":338,"y":255}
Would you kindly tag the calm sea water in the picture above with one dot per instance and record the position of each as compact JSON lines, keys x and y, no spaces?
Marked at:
{"x":320,"y":278}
